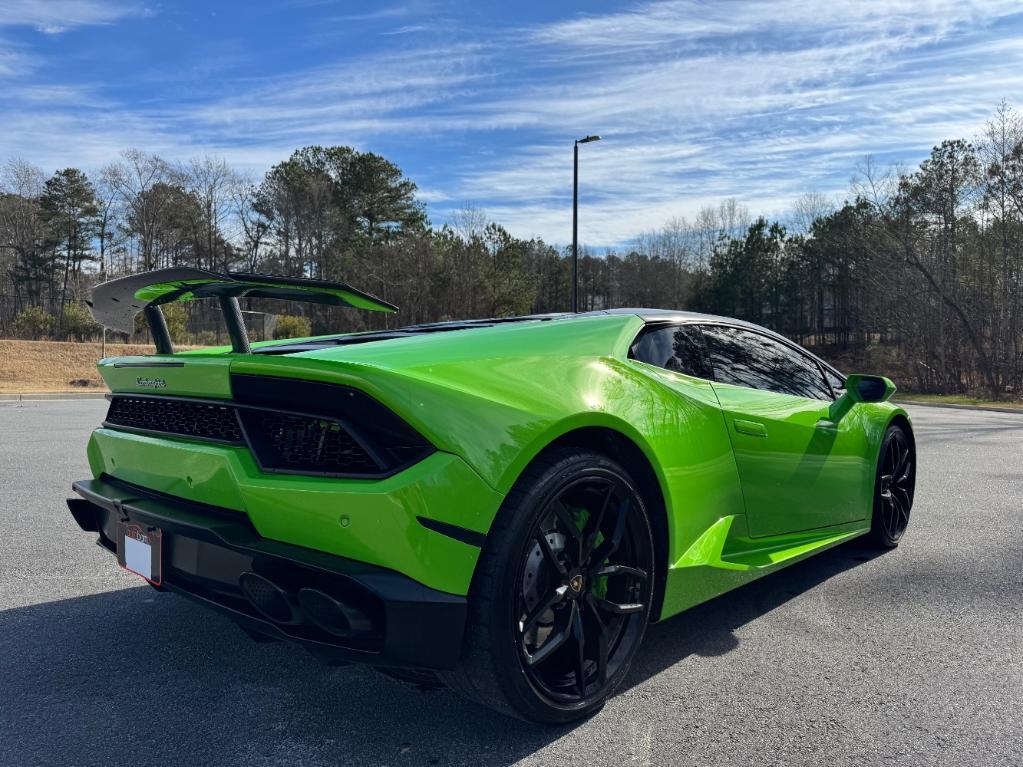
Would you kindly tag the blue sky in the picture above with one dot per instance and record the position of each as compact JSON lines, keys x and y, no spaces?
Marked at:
{"x":478,"y":102}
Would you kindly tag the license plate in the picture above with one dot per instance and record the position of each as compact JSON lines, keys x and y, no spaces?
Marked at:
{"x":139,"y":551}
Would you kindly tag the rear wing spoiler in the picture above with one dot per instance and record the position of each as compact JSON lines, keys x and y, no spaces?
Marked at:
{"x":114,"y":304}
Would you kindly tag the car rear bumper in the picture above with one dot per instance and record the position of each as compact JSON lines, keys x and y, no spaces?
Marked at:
{"x":205,"y":549}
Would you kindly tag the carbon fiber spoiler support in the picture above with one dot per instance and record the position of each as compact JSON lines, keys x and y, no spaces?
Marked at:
{"x":158,"y":326}
{"x":114,"y":304}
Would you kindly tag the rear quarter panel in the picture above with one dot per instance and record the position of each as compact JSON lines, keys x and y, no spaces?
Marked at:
{"x":498,"y":397}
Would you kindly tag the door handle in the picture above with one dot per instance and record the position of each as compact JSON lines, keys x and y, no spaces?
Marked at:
{"x":753,"y":428}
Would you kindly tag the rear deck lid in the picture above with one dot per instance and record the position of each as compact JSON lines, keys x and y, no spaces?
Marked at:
{"x":185,"y":376}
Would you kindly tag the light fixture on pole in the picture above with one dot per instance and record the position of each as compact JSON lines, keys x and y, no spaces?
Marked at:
{"x":575,"y":219}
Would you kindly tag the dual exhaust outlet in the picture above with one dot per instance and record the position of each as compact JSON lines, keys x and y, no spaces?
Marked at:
{"x":332,"y":615}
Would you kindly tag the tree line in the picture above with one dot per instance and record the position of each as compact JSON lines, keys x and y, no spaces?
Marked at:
{"x":918,"y":273}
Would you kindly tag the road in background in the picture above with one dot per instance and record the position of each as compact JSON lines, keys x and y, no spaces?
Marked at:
{"x":910,"y":657}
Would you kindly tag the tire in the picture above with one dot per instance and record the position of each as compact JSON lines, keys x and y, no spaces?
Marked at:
{"x":552,"y":632}
{"x":894,"y":485}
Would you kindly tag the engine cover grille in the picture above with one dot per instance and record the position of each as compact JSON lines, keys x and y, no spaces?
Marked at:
{"x":173,"y":416}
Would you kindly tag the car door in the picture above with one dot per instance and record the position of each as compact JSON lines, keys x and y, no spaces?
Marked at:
{"x":696,"y":453}
{"x":799,"y":470}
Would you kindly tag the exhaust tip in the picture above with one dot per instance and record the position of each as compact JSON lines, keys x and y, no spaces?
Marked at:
{"x":333,"y":616}
{"x":268,"y":598}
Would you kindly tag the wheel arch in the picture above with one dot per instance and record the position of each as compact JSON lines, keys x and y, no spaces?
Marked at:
{"x":621,"y":448}
{"x":901,"y":420}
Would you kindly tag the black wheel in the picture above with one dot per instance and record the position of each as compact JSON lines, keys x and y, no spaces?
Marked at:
{"x":894,"y":484}
{"x":562,"y":593}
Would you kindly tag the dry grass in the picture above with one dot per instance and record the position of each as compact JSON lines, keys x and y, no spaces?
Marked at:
{"x":51,"y":366}
{"x":956,"y":399}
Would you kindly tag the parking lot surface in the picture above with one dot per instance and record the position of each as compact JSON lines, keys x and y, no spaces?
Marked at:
{"x":911,"y":657}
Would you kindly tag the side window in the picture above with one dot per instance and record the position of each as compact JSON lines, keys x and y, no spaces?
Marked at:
{"x":836,"y":381}
{"x":674,"y":347}
{"x":745,"y":358}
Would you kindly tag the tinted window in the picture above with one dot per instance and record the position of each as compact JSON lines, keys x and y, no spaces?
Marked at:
{"x":745,"y":358}
{"x":837,"y":382}
{"x":675,"y":347}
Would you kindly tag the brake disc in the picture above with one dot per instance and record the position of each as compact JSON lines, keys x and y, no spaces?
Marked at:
{"x":535,"y":583}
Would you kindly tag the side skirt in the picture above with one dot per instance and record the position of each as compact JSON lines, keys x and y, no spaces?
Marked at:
{"x":726,"y":557}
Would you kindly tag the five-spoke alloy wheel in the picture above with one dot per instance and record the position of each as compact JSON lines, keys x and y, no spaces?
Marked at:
{"x":583,"y":580}
{"x":563,"y":592}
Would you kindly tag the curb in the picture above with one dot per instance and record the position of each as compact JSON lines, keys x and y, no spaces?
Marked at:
{"x":51,"y":396}
{"x":989,"y":408}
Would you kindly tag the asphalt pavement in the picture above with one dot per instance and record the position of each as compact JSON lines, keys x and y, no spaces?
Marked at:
{"x":911,"y":657}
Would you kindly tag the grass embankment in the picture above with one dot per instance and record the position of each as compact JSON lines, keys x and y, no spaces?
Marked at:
{"x":56,"y":366}
{"x":957,"y":399}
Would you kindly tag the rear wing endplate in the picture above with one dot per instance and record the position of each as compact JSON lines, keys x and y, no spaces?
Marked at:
{"x":114,"y":304}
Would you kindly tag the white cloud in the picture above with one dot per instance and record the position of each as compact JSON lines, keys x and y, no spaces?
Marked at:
{"x":696,"y":102}
{"x":357,"y":100}
{"x":55,"y":16}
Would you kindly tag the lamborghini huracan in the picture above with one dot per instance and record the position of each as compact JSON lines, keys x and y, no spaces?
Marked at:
{"x":501,"y":505}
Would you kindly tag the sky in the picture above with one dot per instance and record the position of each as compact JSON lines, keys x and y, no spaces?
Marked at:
{"x":479,"y":102}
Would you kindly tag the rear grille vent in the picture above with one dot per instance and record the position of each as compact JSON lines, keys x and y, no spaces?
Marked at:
{"x":172,"y":416}
{"x":342,"y":433}
{"x":306,"y":444}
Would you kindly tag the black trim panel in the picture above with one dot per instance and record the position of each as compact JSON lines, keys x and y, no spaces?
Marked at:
{"x":461,"y":534}
{"x":154,"y":364}
{"x":207,"y":548}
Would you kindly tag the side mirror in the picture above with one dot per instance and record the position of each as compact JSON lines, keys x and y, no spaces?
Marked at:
{"x":860,"y":387}
{"x":866,"y":388}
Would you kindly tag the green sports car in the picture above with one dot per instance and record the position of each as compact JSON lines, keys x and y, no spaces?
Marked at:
{"x":501,"y":504}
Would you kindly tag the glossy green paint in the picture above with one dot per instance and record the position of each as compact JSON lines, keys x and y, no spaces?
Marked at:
{"x":726,"y":556}
{"x":206,"y":376}
{"x":799,"y":469}
{"x":490,"y":399}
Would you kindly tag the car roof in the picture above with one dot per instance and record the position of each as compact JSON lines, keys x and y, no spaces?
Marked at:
{"x":669,"y":316}
{"x":649,"y":316}
{"x":680,"y":316}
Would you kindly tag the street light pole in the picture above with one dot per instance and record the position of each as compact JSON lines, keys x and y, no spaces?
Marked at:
{"x":575,"y":218}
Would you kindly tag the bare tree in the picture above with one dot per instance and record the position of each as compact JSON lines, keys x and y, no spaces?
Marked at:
{"x":23,"y":230}
{"x":135,"y":177}
{"x":469,"y":222}
{"x":214,"y":185}
{"x":252,"y":227}
{"x":110,"y":213}
{"x":807,"y":208}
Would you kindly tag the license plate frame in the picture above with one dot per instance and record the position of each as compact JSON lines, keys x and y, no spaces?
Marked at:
{"x":140,"y":551}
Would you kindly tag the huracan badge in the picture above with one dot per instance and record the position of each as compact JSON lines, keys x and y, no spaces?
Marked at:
{"x":152,"y":383}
